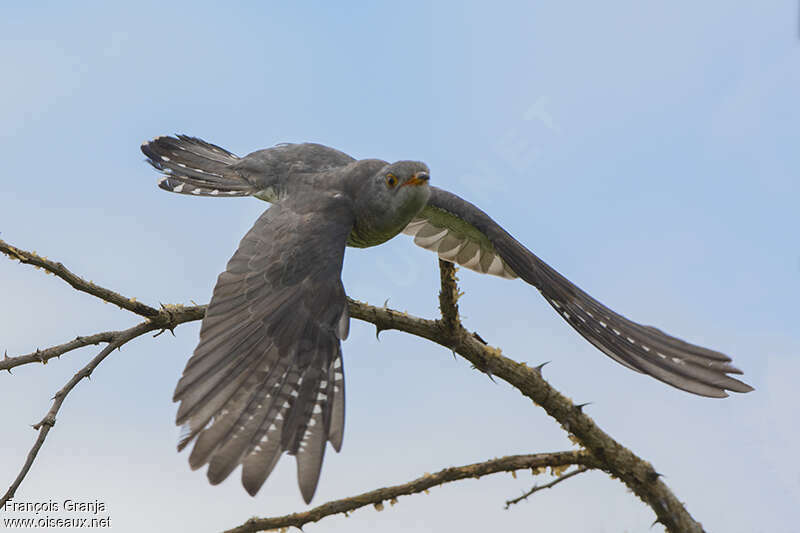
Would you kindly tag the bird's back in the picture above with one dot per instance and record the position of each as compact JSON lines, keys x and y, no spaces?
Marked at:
{"x":272,"y":170}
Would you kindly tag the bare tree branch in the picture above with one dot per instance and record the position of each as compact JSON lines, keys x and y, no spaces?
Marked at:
{"x":377,"y":497}
{"x":448,"y":296}
{"x":42,"y":356}
{"x":537,"y":488}
{"x":168,"y":318}
{"x":80,"y":284}
{"x":636,"y":473}
{"x":612,"y":456}
{"x":49,"y":420}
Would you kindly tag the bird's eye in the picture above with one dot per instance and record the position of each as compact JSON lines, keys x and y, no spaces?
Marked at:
{"x":391,"y":180}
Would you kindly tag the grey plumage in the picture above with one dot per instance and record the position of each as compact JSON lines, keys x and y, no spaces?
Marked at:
{"x":268,"y":368}
{"x":267,"y":374}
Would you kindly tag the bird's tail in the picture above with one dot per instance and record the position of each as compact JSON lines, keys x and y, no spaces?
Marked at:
{"x":193,"y":166}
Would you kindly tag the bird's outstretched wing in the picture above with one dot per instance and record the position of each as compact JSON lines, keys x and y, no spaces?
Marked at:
{"x":267,"y":375}
{"x":460,"y":232}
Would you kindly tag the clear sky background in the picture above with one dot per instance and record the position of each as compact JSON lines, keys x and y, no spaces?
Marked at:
{"x":648,"y":151}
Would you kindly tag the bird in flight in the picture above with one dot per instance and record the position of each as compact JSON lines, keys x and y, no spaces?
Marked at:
{"x":267,"y":375}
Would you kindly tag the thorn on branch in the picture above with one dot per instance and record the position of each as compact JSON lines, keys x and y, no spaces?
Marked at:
{"x":538,"y":368}
{"x":48,"y":420}
{"x":580,"y":406}
{"x":486,"y":371}
{"x":479,"y":338}
{"x":170,"y":329}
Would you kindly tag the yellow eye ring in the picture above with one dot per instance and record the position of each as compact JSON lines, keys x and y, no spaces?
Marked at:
{"x":391,"y":180}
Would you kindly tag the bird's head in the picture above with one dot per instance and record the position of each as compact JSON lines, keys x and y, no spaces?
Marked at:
{"x":393,"y":196}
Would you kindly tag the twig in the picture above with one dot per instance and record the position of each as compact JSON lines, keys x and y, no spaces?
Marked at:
{"x":168,"y":318}
{"x":42,"y":356}
{"x":537,"y":488}
{"x":377,"y":497}
{"x":49,"y":420}
{"x":78,"y":283}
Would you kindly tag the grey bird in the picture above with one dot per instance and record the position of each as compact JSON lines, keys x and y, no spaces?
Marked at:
{"x":267,"y":375}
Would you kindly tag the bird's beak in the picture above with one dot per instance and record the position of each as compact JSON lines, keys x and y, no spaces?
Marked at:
{"x":420,"y":178}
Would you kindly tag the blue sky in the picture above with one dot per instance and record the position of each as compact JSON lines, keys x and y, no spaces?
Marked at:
{"x":646,"y":151}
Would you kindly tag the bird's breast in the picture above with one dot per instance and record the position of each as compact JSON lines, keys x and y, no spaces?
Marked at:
{"x":364,"y":236}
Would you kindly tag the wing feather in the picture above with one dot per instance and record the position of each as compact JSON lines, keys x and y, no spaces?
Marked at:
{"x":460,"y":232}
{"x":266,"y":376}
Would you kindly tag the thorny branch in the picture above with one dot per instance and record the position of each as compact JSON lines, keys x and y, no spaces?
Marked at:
{"x":639,"y":476}
{"x":377,"y":497}
{"x":601,"y":451}
{"x":115,"y":340}
{"x":49,"y":420}
{"x":537,"y":488}
{"x":42,"y":356}
{"x":79,"y":284}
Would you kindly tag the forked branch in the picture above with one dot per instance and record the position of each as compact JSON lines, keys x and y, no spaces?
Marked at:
{"x":599,"y":449}
{"x":422,"y":484}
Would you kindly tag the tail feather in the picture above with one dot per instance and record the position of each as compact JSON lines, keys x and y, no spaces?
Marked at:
{"x":193,"y":166}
